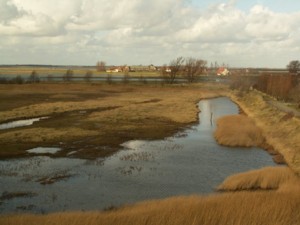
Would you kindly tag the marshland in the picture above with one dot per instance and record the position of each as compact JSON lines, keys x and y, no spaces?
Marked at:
{"x":149,"y":112}
{"x":109,"y":149}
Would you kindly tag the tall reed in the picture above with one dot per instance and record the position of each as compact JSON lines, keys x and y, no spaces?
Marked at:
{"x":238,"y":130}
{"x":242,"y":208}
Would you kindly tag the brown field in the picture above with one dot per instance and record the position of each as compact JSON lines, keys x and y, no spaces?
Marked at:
{"x":238,"y":130}
{"x":86,"y":116}
{"x":44,"y":71}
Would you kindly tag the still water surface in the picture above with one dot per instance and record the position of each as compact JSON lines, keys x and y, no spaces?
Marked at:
{"x":20,"y":123}
{"x":191,"y":162}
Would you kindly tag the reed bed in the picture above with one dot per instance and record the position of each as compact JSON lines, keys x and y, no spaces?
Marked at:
{"x":238,"y":130}
{"x":268,"y":178}
{"x":242,"y":208}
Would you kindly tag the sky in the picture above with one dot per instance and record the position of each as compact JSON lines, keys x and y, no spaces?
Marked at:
{"x":239,"y":33}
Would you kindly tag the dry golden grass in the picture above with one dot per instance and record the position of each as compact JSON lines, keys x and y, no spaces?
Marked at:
{"x":60,"y":71}
{"x":40,"y":135}
{"x":43,"y":71}
{"x":238,"y":130}
{"x":171,"y":98}
{"x":283,"y":135}
{"x":243,"y":208}
{"x":269,"y":178}
{"x":175,"y":103}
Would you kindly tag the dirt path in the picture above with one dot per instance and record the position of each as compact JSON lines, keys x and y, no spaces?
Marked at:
{"x":282,"y":106}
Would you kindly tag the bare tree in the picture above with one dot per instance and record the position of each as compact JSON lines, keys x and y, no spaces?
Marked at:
{"x":18,"y":80}
{"x":295,"y":95}
{"x":34,"y":77}
{"x":101,"y":66}
{"x":109,"y":78}
{"x":49,"y":78}
{"x":175,"y":67}
{"x":165,"y":73}
{"x":293,"y":66}
{"x":68,"y":75}
{"x":126,"y":70}
{"x":126,"y":78}
{"x":193,"y":68}
{"x":278,"y":86}
{"x":88,"y":75}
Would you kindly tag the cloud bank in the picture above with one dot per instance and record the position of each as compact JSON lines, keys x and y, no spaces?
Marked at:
{"x":143,"y":32}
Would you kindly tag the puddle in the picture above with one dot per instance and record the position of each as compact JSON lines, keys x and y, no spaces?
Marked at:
{"x":20,"y":123}
{"x":44,"y":150}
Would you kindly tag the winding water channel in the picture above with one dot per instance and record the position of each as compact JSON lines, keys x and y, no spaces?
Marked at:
{"x":191,"y":162}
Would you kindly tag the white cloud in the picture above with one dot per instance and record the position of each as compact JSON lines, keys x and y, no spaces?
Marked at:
{"x":219,"y":24}
{"x":139,"y":31}
{"x":8,"y":11}
{"x":266,"y":25}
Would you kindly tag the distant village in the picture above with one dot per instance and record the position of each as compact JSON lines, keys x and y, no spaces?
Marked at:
{"x":221,"y":71}
{"x":218,"y":71}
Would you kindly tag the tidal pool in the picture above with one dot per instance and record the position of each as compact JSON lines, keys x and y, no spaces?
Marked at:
{"x":191,"y":162}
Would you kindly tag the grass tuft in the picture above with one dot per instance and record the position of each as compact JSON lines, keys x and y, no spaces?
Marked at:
{"x":268,"y":178}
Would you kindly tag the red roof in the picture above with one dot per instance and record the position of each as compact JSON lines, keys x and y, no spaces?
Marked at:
{"x":221,"y":70}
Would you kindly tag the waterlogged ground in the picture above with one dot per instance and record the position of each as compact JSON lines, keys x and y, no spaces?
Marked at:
{"x":191,"y":162}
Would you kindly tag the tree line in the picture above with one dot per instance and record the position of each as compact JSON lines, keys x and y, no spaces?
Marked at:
{"x":280,"y":86}
{"x":293,"y":66}
{"x":284,"y":87}
{"x":189,"y":68}
{"x":35,"y":78}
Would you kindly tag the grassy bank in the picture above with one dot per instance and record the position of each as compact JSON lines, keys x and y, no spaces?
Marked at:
{"x":280,"y":130}
{"x":86,"y":116}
